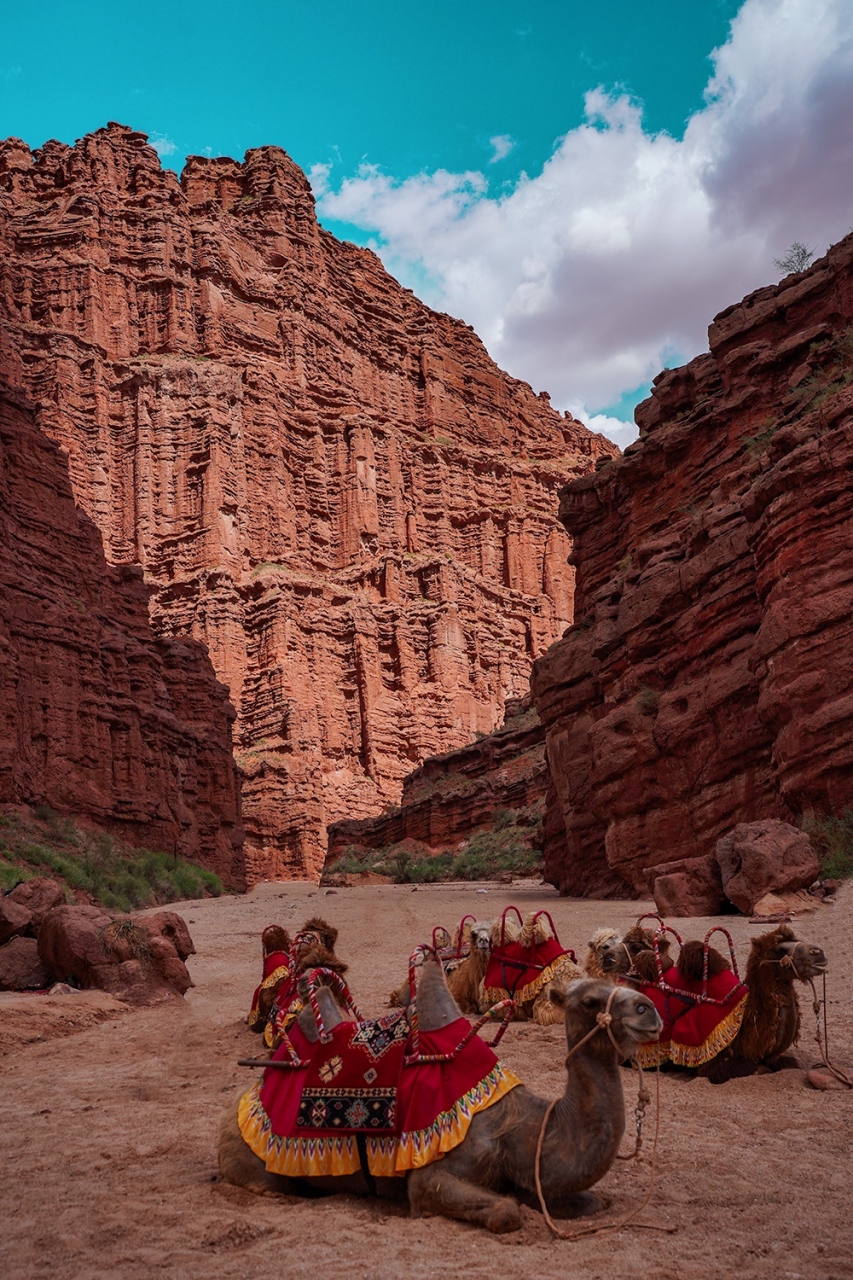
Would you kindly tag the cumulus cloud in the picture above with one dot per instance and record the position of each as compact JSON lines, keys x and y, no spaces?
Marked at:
{"x":586,"y":277}
{"x":501,"y":145}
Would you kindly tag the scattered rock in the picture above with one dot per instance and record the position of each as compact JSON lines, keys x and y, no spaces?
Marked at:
{"x":21,"y":968}
{"x":823,"y":1079}
{"x":783,"y":906}
{"x":15,"y":919}
{"x":140,"y":961}
{"x":769,"y":857}
{"x":687,"y":887}
{"x":39,"y":896}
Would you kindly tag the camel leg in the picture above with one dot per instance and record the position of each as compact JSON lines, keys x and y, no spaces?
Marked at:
{"x":435,"y":1190}
{"x":239,"y":1164}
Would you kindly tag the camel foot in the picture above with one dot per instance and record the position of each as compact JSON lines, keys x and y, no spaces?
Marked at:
{"x":579,"y":1205}
{"x":503,"y":1218}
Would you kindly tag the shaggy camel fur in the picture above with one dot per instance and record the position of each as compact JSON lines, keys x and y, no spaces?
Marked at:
{"x":602,"y":941}
{"x":315,"y":949}
{"x":771,"y":1020}
{"x":542,"y":1009}
{"x":490,"y":1173}
{"x":465,"y":983}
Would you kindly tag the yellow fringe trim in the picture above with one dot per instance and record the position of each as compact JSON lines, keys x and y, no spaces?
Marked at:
{"x":273,"y":978}
{"x":494,"y":994}
{"x":391,"y":1156}
{"x":652,"y":1053}
{"x":696,"y":1055}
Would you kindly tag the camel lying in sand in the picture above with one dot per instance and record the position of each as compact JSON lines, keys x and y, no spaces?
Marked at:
{"x":284,"y":961}
{"x":765,"y":1022}
{"x":490,"y":1173}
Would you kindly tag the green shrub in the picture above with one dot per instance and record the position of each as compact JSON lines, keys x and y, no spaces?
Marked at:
{"x":832,"y":837}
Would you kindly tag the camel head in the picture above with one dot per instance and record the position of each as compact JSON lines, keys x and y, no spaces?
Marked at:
{"x":620,"y":957}
{"x":275,"y":938}
{"x":315,"y":947}
{"x":634,"y":1019}
{"x":480,"y":936}
{"x":802,"y":960}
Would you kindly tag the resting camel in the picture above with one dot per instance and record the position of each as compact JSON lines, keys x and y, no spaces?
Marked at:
{"x":490,"y":1173}
{"x":284,"y":960}
{"x":770,"y":1021}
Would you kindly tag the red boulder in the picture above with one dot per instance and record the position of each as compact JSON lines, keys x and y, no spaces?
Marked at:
{"x":757,"y":858}
{"x":21,"y":968}
{"x":687,"y":887}
{"x":39,"y":896}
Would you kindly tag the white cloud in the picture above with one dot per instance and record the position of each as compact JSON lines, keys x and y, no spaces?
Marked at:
{"x":162,"y":145}
{"x":501,"y":144}
{"x":318,"y":176}
{"x":586,"y":276}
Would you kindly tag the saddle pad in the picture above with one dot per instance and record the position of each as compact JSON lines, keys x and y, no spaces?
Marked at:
{"x":313,"y":1134}
{"x":348,"y":1085}
{"x":694,"y":1032}
{"x":521,"y":972}
{"x":276,"y":967}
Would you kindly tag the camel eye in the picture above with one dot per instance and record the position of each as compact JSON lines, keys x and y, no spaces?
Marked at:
{"x":641,"y":1008}
{"x":590,"y":1002}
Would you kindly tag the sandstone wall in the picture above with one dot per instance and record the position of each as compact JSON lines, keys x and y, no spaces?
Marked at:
{"x":325,"y":482}
{"x":99,"y":717}
{"x":708,"y":679}
{"x":455,"y":794}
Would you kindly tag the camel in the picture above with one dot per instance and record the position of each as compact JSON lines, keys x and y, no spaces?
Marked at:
{"x":460,"y":948}
{"x":525,"y":967}
{"x":602,"y":941}
{"x":490,"y":1173}
{"x":763,"y":1026}
{"x":284,"y":960}
{"x":465,"y":982}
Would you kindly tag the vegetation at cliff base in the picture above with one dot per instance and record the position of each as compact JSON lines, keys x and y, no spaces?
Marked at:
{"x":511,"y":847}
{"x":832,"y":837}
{"x":112,"y":874}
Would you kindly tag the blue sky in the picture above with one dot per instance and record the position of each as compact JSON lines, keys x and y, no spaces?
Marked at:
{"x":553,"y":172}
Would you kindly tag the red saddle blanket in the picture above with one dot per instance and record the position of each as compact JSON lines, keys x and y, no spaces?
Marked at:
{"x":694,"y":1030}
{"x":521,"y":972}
{"x":276,"y":967}
{"x":303,"y":1121}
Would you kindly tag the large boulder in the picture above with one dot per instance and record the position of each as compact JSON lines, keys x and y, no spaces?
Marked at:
{"x":21,"y":967}
{"x":39,"y":896}
{"x":134,"y":960}
{"x":14,"y":919}
{"x":687,"y":887}
{"x":757,"y":858}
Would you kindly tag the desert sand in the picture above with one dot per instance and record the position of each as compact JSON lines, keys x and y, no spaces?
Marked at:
{"x":108,"y":1119}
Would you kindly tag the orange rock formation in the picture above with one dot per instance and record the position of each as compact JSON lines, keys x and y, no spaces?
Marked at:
{"x":330,"y":485}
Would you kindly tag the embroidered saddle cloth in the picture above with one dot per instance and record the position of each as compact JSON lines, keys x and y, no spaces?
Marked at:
{"x":304,"y":1121}
{"x":521,"y":972}
{"x":276,"y":967}
{"x":694,"y":1031}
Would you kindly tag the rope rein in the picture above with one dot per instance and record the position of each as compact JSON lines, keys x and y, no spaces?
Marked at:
{"x":823,"y":1040}
{"x":603,"y":1022}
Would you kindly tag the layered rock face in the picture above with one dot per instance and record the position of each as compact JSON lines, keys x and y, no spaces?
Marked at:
{"x":708,"y":679}
{"x":455,"y":794}
{"x":98,"y":716}
{"x":327,"y":483}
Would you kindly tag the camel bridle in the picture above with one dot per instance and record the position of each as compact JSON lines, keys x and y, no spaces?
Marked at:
{"x":604,"y":1022}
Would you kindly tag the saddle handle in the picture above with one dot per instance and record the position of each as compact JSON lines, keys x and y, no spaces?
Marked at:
{"x":504,"y":915}
{"x":506,"y":1008}
{"x":661,"y":933}
{"x":706,"y":947}
{"x":462,"y":923}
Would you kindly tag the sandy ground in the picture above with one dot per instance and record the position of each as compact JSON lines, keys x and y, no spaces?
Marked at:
{"x":107,"y":1123}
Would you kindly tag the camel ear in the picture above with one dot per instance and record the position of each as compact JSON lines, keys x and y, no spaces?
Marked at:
{"x":557,"y":996}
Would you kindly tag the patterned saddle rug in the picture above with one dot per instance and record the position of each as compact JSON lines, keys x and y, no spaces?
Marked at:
{"x":306,"y":1120}
{"x":695,"y":1028}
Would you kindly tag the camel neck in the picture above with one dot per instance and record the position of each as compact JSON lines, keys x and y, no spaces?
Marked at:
{"x":587,"y":1123}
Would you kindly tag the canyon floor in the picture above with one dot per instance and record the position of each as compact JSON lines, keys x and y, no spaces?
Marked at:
{"x":108,"y":1118}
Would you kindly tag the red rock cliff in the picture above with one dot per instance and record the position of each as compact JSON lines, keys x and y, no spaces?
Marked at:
{"x":708,"y":679}
{"x":99,"y":717}
{"x":330,"y":485}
